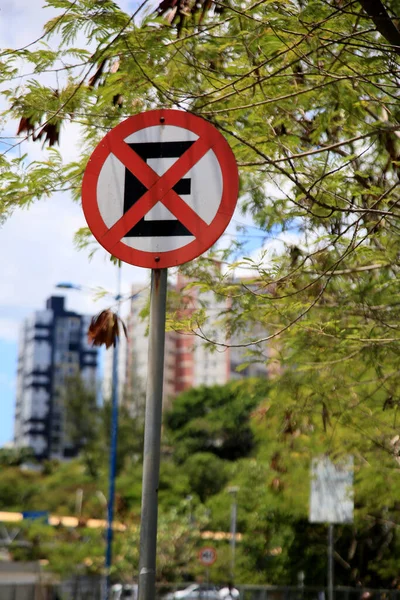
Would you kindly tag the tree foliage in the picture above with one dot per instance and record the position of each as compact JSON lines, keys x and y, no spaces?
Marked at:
{"x":15,"y":457}
{"x":88,"y":425}
{"x":273,"y":482}
{"x":214,"y":419}
{"x":306,"y":92}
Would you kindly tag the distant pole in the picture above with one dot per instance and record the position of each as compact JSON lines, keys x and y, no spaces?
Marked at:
{"x":189,"y":499}
{"x":233,"y":491}
{"x":78,"y":501}
{"x":300,"y":582}
{"x":330,"y":561}
{"x":113,"y":452}
{"x":152,"y":436}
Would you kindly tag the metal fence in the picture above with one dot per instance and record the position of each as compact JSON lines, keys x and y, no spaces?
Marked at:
{"x":270,"y":592}
{"x":10,"y":591}
{"x":88,"y":588}
{"x":85,"y":588}
{"x":250,"y":592}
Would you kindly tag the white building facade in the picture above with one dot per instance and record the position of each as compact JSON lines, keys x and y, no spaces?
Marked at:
{"x":188,"y":361}
{"x":53,"y":346}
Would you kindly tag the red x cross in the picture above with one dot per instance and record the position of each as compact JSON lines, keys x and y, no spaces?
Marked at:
{"x":159,"y":189}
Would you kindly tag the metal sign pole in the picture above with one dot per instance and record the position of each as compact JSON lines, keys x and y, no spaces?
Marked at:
{"x":330,"y":562}
{"x":152,"y":436}
{"x":233,"y":490}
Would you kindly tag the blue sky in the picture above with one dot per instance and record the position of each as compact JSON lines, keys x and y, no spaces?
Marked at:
{"x":8,"y":360}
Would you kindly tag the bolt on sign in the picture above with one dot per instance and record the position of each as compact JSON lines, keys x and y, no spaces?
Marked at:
{"x":160,"y":188}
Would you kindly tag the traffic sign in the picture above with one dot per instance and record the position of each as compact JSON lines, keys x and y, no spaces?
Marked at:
{"x":207,"y":556}
{"x":160,"y":188}
{"x":36,"y":515}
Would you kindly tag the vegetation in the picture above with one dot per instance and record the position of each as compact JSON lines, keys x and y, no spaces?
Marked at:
{"x":273,"y":481}
{"x":306,"y":92}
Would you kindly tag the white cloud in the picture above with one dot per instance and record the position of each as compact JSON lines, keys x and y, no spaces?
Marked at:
{"x":261,"y":257}
{"x":36,"y":245}
{"x":280,"y":244}
{"x":38,"y":252}
{"x":22,"y":21}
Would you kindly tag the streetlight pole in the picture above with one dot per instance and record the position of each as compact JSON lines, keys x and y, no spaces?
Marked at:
{"x":233,"y":491}
{"x":113,"y":450}
{"x":330,"y":561}
{"x":189,"y":499}
{"x":113,"y":443}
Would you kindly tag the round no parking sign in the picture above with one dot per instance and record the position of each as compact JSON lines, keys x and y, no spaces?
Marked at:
{"x":160,"y":188}
{"x":207,"y":556}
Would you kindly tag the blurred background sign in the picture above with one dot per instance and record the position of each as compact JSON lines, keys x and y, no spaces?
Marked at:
{"x":331,"y":498}
{"x":36,"y":515}
{"x":207,"y":556}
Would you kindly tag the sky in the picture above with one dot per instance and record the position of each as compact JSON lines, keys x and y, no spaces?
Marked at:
{"x":36,"y":244}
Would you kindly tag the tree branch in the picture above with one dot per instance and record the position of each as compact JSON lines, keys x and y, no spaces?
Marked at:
{"x":384,"y":24}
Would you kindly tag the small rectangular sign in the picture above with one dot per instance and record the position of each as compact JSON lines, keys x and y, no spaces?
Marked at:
{"x":36,"y":515}
{"x":332,"y":497}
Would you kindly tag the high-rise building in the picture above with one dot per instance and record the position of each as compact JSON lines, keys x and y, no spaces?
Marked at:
{"x":53,"y":346}
{"x":188,"y":362}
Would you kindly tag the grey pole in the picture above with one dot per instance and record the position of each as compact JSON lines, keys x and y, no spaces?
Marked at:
{"x":233,"y":491}
{"x":152,"y":436}
{"x":113,"y":452}
{"x":330,"y":562}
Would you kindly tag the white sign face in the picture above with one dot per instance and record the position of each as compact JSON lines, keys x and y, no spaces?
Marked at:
{"x":332,"y":498}
{"x":207,"y":556}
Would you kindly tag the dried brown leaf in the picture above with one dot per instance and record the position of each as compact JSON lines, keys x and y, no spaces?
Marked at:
{"x":104,"y":329}
{"x":51,"y":134}
{"x":95,"y":78}
{"x":26,"y":125}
